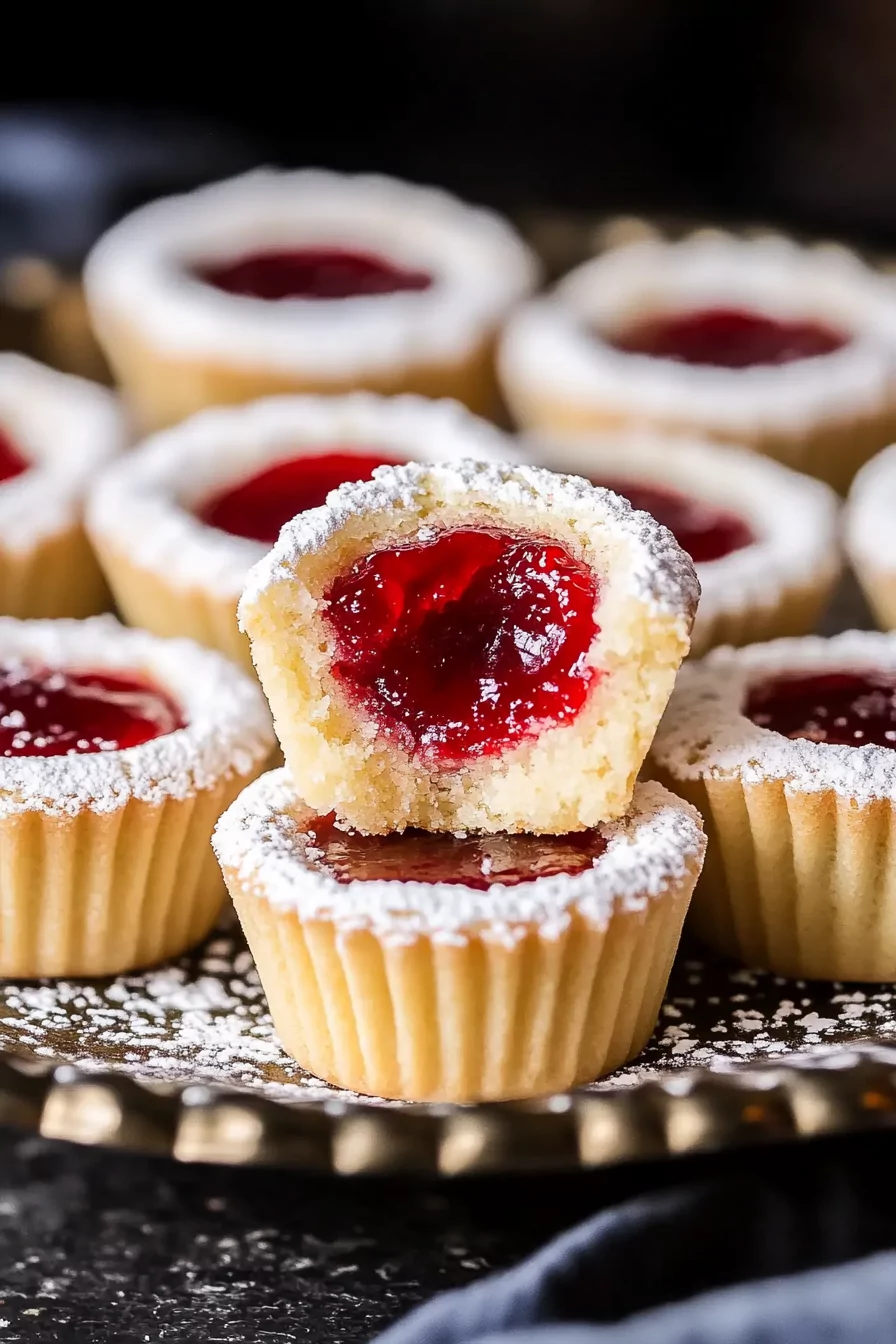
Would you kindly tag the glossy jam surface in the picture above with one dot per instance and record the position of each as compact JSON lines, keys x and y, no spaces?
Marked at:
{"x":12,"y":463}
{"x":728,"y":338}
{"x":852,"y":709}
{"x":47,"y":712}
{"x":258,"y":507}
{"x":704,"y":530}
{"x":466,"y":643}
{"x":311,"y":273}
{"x":478,"y":861}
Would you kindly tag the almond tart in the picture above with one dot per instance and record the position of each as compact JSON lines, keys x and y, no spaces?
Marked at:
{"x":303,"y":281}
{"x":764,"y":539}
{"x":56,"y":433}
{"x":433,"y":967}
{"x":118,"y":753}
{"x":758,"y":342}
{"x":469,"y":646}
{"x":179,"y":522}
{"x":870,"y":534}
{"x":788,"y":749}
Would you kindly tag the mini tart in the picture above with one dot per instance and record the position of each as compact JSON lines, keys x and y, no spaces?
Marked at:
{"x":57,"y":432}
{"x":870,"y":536}
{"x":160,"y":287}
{"x":771,"y":534}
{"x":435,"y":990}
{"x":562,"y":366}
{"x":800,"y":873}
{"x":105,"y":863}
{"x":503,"y":665}
{"x":173,"y":573}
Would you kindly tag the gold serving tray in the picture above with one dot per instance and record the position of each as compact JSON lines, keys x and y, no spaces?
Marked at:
{"x":182,"y":1060}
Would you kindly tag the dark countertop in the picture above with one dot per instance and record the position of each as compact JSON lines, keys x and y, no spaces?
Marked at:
{"x":99,"y":1246}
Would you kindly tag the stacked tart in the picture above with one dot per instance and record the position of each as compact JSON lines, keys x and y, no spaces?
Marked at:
{"x":304,"y":281}
{"x":760,"y":342}
{"x":456,"y":889}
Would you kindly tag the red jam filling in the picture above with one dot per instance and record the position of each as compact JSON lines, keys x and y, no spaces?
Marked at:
{"x":49,"y":712}
{"x":728,"y":338}
{"x":849,"y":709}
{"x":12,"y":463}
{"x":258,"y":507}
{"x":478,"y":861}
{"x":311,"y":273}
{"x":705,"y":531}
{"x":466,"y":643}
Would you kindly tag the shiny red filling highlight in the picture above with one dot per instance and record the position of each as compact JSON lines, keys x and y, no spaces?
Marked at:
{"x":478,"y":861}
{"x":311,"y":273}
{"x":702,"y":529}
{"x":51,"y":712}
{"x":465,"y":644}
{"x":12,"y":463}
{"x":258,"y":507}
{"x":851,"y":709}
{"x":728,"y":338}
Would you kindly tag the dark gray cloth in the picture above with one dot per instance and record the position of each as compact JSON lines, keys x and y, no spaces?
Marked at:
{"x":730,"y":1261}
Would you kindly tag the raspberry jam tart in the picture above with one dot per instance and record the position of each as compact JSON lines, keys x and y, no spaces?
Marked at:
{"x":764,"y":539}
{"x":56,"y":434}
{"x":759,"y":342}
{"x":787,"y":750}
{"x":180,"y":521}
{"x":459,"y":968}
{"x":118,"y":752}
{"x":306,"y":281}
{"x":469,"y":647}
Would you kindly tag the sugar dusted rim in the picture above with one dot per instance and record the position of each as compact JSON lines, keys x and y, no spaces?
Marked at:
{"x":143,"y":503}
{"x":793,"y":517}
{"x":650,"y":851}
{"x":137,"y":273}
{"x":227,"y":733}
{"x":68,"y":428}
{"x":659,"y":572}
{"x":705,"y":734}
{"x":551,"y":348}
{"x":869,"y":534}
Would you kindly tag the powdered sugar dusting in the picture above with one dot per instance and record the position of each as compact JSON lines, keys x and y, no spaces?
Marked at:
{"x":144,"y":505}
{"x":648,"y":853}
{"x":705,"y":733}
{"x":139,"y":273}
{"x":552,"y":350}
{"x":227,"y":725}
{"x":659,"y":571}
{"x":67,"y":428}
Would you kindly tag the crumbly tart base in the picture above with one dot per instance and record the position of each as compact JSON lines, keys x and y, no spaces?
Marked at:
{"x":68,"y":429}
{"x":824,"y":416}
{"x":178,"y":345}
{"x":439,"y":993}
{"x":105,"y":863}
{"x":869,"y":536}
{"x":800,"y":873}
{"x":176,"y":576}
{"x":779,"y":585}
{"x":567,"y":778}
